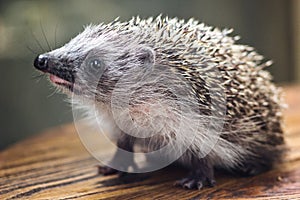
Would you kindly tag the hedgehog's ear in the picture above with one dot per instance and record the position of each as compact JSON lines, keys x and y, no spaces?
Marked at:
{"x":146,"y":55}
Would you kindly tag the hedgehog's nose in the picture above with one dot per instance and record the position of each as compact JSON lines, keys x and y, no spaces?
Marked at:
{"x":41,"y":62}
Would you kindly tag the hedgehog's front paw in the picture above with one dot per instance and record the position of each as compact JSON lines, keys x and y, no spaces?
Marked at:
{"x":122,"y":166}
{"x":201,"y":175}
{"x":105,"y":170}
{"x":195,"y":181}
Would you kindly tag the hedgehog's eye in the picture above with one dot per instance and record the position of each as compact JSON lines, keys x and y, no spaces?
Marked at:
{"x":95,"y":64}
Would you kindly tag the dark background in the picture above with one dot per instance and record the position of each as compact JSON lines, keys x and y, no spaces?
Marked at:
{"x":28,"y":105}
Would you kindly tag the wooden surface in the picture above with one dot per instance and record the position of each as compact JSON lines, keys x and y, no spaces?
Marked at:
{"x":55,"y":165}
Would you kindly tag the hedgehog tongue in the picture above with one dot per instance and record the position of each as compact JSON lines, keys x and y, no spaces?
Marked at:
{"x":57,"y":80}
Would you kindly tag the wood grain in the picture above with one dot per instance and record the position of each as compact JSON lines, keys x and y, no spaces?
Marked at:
{"x":55,"y":165}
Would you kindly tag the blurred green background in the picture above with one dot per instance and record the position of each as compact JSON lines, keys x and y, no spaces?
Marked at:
{"x":28,"y":105}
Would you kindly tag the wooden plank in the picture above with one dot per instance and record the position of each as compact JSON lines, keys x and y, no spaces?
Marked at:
{"x":55,"y":165}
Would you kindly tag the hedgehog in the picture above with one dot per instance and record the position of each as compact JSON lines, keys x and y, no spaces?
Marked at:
{"x":161,"y":81}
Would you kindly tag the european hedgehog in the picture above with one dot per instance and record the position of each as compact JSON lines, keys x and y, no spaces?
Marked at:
{"x":207,"y":70}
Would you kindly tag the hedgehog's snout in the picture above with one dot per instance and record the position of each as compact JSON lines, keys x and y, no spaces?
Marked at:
{"x":59,"y":73}
{"x":41,"y":62}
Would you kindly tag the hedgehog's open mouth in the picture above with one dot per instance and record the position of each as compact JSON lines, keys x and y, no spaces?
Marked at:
{"x":62,"y":82}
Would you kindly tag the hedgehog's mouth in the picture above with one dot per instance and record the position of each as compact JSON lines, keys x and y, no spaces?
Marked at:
{"x":61,"y":82}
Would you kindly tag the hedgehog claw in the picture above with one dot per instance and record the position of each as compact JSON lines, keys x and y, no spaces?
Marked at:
{"x":199,"y":185}
{"x":190,"y":184}
{"x":195,"y":183}
{"x":104,"y":170}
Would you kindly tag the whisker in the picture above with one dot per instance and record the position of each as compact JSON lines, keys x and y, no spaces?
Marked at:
{"x":36,"y":40}
{"x":55,"y":31}
{"x":37,"y":77}
{"x":31,"y":50}
{"x":44,"y":35}
{"x":52,"y":93}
